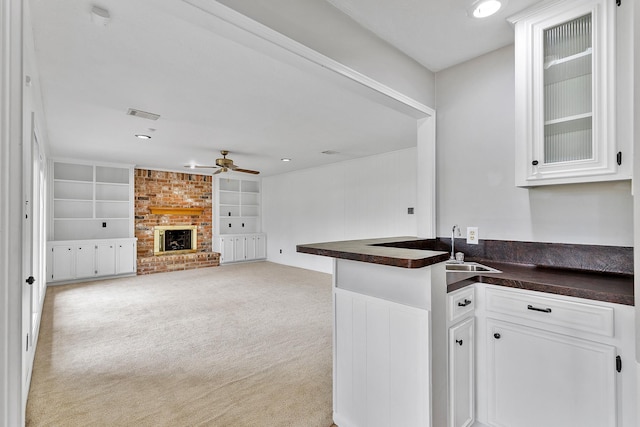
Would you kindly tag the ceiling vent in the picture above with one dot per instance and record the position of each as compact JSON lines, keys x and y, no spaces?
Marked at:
{"x":142,"y":114}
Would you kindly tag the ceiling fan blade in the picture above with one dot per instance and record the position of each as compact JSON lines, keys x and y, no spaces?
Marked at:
{"x":218,"y":171}
{"x":246,"y":171}
{"x":199,"y":167}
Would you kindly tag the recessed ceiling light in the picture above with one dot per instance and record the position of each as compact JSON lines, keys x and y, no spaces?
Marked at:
{"x":142,"y":136}
{"x":285,"y":159}
{"x":100,"y":16}
{"x":485,"y":8}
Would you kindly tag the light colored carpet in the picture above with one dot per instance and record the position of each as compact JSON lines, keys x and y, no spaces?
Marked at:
{"x":237,"y":345}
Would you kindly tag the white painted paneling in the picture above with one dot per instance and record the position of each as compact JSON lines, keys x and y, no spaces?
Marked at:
{"x":363,"y":198}
{"x":475,"y":170}
{"x":382,"y":362}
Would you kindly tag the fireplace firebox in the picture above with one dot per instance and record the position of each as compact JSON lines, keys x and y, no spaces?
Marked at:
{"x":175,"y":239}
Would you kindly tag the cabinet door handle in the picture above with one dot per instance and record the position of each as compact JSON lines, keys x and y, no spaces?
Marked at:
{"x":465,"y":303}
{"x":459,"y":342}
{"x":544,"y":310}
{"x":496,"y":336}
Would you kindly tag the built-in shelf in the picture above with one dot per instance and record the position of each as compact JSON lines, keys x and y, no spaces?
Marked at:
{"x":567,"y":58}
{"x":569,"y":119}
{"x":91,"y":201}
{"x":176,"y":211}
{"x":237,"y":205}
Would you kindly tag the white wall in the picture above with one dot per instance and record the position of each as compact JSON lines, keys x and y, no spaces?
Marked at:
{"x":475,"y":169}
{"x":356,"y":199}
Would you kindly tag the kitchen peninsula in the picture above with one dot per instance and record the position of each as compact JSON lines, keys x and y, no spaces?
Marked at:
{"x":405,"y":349}
{"x":389,"y":332}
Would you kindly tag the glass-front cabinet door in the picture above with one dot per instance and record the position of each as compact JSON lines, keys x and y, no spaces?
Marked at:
{"x":565,"y":93}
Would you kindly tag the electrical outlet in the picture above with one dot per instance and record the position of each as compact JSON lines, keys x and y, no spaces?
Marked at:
{"x":472,"y":235}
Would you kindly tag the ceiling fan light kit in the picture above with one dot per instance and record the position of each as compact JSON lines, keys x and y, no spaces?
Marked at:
{"x":223,"y":165}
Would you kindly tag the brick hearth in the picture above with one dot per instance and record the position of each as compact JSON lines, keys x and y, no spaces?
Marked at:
{"x":173,"y":190}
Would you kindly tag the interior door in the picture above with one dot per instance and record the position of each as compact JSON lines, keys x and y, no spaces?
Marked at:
{"x":27,"y":259}
{"x":39,"y":248}
{"x":33,"y":248}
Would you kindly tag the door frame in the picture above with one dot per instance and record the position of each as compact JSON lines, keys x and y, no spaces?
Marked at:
{"x":11,"y":133}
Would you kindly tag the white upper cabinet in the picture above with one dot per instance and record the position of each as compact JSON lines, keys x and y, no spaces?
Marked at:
{"x":566,"y":94}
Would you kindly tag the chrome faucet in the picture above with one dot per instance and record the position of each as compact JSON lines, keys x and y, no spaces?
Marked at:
{"x":453,"y":240}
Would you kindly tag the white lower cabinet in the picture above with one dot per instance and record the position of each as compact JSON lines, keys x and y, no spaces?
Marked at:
{"x":105,"y":259}
{"x":552,"y":360}
{"x":461,"y":374}
{"x":241,"y":247}
{"x":226,"y":248}
{"x":126,"y":257}
{"x":61,"y":263}
{"x":540,"y":378}
{"x":86,"y":259}
{"x":261,"y":246}
{"x":461,"y":357}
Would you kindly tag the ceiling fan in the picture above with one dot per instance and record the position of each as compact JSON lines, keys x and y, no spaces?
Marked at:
{"x":223,"y":165}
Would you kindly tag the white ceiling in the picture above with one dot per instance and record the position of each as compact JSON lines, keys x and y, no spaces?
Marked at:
{"x":212,"y":92}
{"x":436,"y":33}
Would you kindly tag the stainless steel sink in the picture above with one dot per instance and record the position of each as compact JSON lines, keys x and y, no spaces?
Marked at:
{"x":466,"y":267}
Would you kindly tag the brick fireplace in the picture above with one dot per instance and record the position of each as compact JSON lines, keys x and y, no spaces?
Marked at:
{"x":173,"y":200}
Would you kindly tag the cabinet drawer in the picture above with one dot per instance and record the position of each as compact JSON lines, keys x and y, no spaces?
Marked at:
{"x":574,"y":315}
{"x":461,"y":303}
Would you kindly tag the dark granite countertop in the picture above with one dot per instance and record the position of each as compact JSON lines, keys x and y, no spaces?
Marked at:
{"x":413,"y":252}
{"x":379,"y":251}
{"x":615,"y":288}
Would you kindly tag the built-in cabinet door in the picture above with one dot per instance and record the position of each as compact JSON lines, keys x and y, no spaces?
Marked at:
{"x":85,"y":261}
{"x":105,"y":259}
{"x":227,"y":251}
{"x":62,"y":265}
{"x":261,"y":246}
{"x":250,"y":247}
{"x":239,"y":248}
{"x":539,"y":378}
{"x":381,"y":370}
{"x":125,"y":257}
{"x":461,"y":374}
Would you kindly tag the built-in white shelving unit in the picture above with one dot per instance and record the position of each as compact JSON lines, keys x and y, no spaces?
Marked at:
{"x":238,"y":206}
{"x":91,"y":201}
{"x":92,"y":206}
{"x":237,"y":212}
